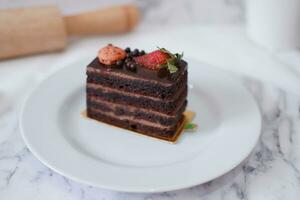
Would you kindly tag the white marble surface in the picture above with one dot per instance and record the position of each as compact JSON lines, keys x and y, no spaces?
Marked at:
{"x":271,"y":172}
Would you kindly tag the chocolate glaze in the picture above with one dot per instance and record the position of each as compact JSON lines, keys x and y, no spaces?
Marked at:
{"x":143,"y":72}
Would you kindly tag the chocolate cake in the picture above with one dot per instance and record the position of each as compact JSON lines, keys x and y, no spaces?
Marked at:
{"x":145,"y":93}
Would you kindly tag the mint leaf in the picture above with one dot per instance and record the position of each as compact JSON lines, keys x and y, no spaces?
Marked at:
{"x":172,"y":68}
{"x":190,"y":127}
{"x":178,"y":56}
{"x":172,"y":62}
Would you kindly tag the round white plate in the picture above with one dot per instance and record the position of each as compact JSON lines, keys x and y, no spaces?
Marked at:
{"x":104,"y":156}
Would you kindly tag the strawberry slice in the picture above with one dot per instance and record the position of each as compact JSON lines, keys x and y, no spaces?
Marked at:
{"x":153,"y":60}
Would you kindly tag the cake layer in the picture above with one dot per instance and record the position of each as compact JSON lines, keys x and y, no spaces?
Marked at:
{"x":141,"y":126}
{"x":126,"y":82}
{"x":143,"y":101}
{"x":137,"y":113}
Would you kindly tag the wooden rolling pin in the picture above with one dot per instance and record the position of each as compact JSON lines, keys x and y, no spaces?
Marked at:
{"x":42,"y":29}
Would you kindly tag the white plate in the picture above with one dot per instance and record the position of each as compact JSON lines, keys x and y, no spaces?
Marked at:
{"x":104,"y":156}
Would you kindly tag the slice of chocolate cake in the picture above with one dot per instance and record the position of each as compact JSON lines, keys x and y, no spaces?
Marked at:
{"x":142,"y":92}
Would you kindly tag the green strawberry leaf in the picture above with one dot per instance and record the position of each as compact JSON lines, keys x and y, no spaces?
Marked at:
{"x":174,"y":59}
{"x":178,"y":56}
{"x":165,"y":51}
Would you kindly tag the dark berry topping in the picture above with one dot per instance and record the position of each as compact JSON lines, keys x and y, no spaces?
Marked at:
{"x":127,"y":50}
{"x":131,"y":66}
{"x":142,"y":53}
{"x":135,"y":52}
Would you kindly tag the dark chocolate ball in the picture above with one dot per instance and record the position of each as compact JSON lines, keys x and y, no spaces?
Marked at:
{"x":127,"y":50}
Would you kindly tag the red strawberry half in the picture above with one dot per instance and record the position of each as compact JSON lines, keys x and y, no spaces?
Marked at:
{"x":153,"y":60}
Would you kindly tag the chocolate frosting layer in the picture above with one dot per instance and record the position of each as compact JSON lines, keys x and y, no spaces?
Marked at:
{"x":141,"y":72}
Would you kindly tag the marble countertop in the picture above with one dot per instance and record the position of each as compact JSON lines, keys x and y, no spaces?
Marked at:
{"x":272,"y":171}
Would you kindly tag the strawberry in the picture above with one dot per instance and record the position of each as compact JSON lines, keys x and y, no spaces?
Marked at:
{"x":153,"y":60}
